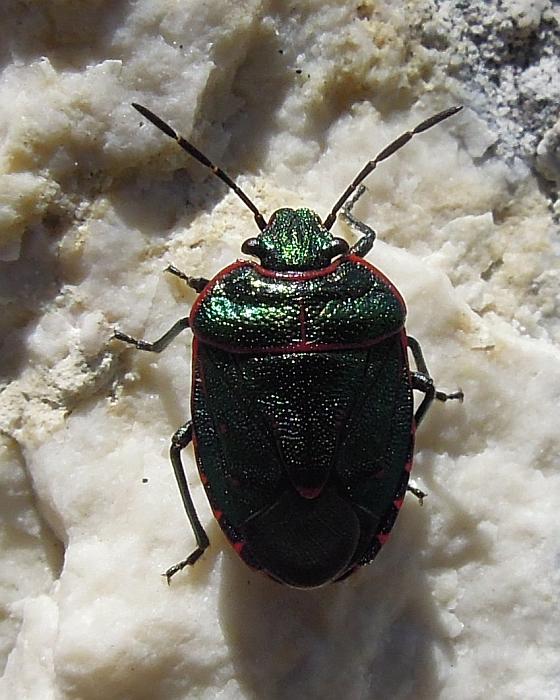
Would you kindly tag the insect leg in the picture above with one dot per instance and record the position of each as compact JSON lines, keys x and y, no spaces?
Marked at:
{"x":196,"y":283}
{"x":423,"y":382}
{"x":159,"y":344}
{"x":364,"y":244}
{"x":420,"y":495}
{"x":181,"y":438}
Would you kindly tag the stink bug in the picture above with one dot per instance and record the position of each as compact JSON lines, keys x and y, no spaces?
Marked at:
{"x":302,"y":397}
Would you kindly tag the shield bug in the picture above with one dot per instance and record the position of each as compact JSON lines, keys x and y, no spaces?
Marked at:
{"x":302,"y":396}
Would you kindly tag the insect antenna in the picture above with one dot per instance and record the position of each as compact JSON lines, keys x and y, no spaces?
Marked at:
{"x":201,"y":158}
{"x":385,"y":153}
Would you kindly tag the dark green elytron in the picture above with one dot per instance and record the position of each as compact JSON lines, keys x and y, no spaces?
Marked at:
{"x":302,"y":407}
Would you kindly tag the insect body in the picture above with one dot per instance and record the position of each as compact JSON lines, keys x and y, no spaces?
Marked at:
{"x":302,"y":395}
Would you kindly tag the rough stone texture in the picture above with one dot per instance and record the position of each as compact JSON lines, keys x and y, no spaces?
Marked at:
{"x":508,"y":58}
{"x":292,"y":99}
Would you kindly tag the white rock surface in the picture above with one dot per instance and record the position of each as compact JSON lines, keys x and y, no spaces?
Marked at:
{"x":291,"y":99}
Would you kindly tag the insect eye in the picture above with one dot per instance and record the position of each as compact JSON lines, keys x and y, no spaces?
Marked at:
{"x":339,"y":247}
{"x":251,"y":247}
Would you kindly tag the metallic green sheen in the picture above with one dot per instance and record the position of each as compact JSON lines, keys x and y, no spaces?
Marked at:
{"x":302,"y":413}
{"x":304,"y":453}
{"x":245,"y":309}
{"x":295,"y":239}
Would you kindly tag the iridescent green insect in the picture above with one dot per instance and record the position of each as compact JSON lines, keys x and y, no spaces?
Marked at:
{"x":302,"y":396}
